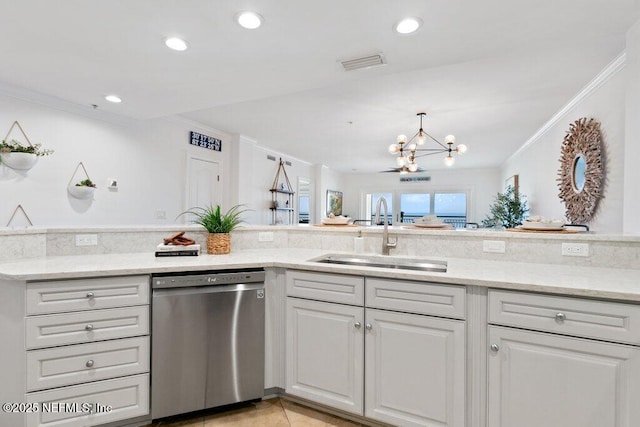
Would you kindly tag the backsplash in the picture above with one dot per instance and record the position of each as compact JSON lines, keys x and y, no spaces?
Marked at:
{"x":604,"y":251}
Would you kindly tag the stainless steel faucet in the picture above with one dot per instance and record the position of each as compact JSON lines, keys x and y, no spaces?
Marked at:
{"x":386,"y":245}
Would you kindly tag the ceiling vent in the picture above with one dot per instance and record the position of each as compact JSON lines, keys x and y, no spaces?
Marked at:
{"x":364,"y":62}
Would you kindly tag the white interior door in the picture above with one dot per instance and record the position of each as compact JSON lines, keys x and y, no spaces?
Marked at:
{"x":203,"y":182}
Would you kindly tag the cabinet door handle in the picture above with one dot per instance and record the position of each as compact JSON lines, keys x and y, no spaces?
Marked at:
{"x":89,"y":363}
{"x":495,"y":347}
{"x":357,"y":325}
{"x":560,"y":317}
{"x":369,"y":326}
{"x":89,"y":327}
{"x":90,"y":295}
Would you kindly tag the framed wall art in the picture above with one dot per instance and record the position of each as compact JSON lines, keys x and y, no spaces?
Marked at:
{"x":334,"y":202}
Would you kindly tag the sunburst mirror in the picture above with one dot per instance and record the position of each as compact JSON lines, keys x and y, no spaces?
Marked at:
{"x":581,"y":170}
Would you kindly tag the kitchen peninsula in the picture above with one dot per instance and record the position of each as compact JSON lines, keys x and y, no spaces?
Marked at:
{"x":604,"y":284}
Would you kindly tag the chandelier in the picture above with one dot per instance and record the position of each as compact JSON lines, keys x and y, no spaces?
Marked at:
{"x":408,"y":151}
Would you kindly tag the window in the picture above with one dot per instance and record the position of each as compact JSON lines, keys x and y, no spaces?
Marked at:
{"x":451,"y":207}
{"x":414,"y":205}
{"x":303,"y":208}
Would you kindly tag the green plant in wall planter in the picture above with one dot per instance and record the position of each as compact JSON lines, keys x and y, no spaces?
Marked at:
{"x":86,"y":183}
{"x":21,"y":157}
{"x":218,"y":225}
{"x":508,"y":210}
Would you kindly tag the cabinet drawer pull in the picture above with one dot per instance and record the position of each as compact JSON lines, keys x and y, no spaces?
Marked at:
{"x":89,"y":363}
{"x":357,"y":325}
{"x":369,"y":326}
{"x":90,"y":295}
{"x":495,"y":347}
{"x":89,"y":327}
{"x":560,"y":317}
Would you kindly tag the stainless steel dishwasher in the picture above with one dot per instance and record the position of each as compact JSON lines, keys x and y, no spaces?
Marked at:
{"x":207,"y":340}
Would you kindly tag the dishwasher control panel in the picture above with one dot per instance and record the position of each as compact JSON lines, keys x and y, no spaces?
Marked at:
{"x":207,"y":279}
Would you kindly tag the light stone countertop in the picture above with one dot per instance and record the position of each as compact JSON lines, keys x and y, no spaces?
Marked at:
{"x":606,"y":283}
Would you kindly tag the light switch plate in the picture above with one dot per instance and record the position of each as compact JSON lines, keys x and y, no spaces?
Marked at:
{"x":86,"y":239}
{"x":494,"y":246}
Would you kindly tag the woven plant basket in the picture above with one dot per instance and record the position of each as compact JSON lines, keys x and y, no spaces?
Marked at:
{"x":218,"y":243}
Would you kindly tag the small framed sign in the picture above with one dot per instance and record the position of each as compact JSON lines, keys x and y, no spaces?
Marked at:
{"x":205,"y":141}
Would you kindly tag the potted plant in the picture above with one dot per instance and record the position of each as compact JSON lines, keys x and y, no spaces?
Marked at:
{"x":83,"y":189}
{"x":508,"y":210}
{"x":218,"y":225}
{"x":21,"y":157}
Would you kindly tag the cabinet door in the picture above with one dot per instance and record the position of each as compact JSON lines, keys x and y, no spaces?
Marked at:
{"x":415,"y":369}
{"x":324,"y":353}
{"x":538,"y":379}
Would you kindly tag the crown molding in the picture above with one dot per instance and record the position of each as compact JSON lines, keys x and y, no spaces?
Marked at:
{"x":60,"y":104}
{"x":598,"y":81}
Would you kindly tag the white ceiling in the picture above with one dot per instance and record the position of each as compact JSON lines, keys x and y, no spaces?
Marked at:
{"x":490,"y":72}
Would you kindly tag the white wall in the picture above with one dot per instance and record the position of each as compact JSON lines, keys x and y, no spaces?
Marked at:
{"x":148,"y":159}
{"x":481,"y":185}
{"x":631,"y":205}
{"x":254,"y":175}
{"x":537,"y":165}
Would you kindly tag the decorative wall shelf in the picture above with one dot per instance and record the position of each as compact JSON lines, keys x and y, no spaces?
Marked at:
{"x":21,"y":209}
{"x":282,"y":197}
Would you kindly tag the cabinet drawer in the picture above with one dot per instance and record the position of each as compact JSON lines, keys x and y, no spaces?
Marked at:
{"x":86,"y":326}
{"x":610,"y":321}
{"x":416,"y":297}
{"x":75,"y":364}
{"x":128,"y":398}
{"x":326,"y":287}
{"x":86,"y":294}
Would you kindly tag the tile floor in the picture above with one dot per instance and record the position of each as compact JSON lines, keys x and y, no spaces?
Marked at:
{"x":269,"y":413}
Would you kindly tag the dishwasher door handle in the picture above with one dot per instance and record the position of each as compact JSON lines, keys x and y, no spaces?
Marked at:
{"x":213,"y":289}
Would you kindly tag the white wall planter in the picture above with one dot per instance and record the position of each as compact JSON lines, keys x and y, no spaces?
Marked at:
{"x":19,"y":161}
{"x":81,"y":192}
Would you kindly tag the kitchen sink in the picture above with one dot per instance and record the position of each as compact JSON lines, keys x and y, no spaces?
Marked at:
{"x":385,"y":262}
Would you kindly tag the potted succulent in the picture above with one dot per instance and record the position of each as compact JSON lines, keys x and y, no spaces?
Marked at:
{"x":83,"y":189}
{"x":21,"y":157}
{"x":218,"y":225}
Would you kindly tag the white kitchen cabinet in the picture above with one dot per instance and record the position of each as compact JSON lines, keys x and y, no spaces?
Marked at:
{"x":91,"y":404}
{"x":325,"y":353}
{"x":396,"y":367}
{"x":577,"y":363}
{"x":540,"y":379}
{"x":415,"y":369}
{"x":86,"y":342}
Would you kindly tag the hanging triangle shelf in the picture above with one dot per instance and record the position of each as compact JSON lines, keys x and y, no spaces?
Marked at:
{"x":282,"y":211}
{"x":24,"y":213}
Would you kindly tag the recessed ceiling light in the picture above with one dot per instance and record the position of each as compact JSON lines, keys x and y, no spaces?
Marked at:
{"x":249,"y":20}
{"x":176,"y":44}
{"x":113,"y":98}
{"x":408,"y":25}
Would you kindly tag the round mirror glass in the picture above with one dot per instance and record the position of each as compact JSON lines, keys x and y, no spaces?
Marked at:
{"x":579,"y":170}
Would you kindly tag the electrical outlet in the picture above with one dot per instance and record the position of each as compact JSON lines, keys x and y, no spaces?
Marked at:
{"x":265,"y":236}
{"x":86,"y":239}
{"x":161,"y":215}
{"x":575,"y":249}
{"x":494,"y":246}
